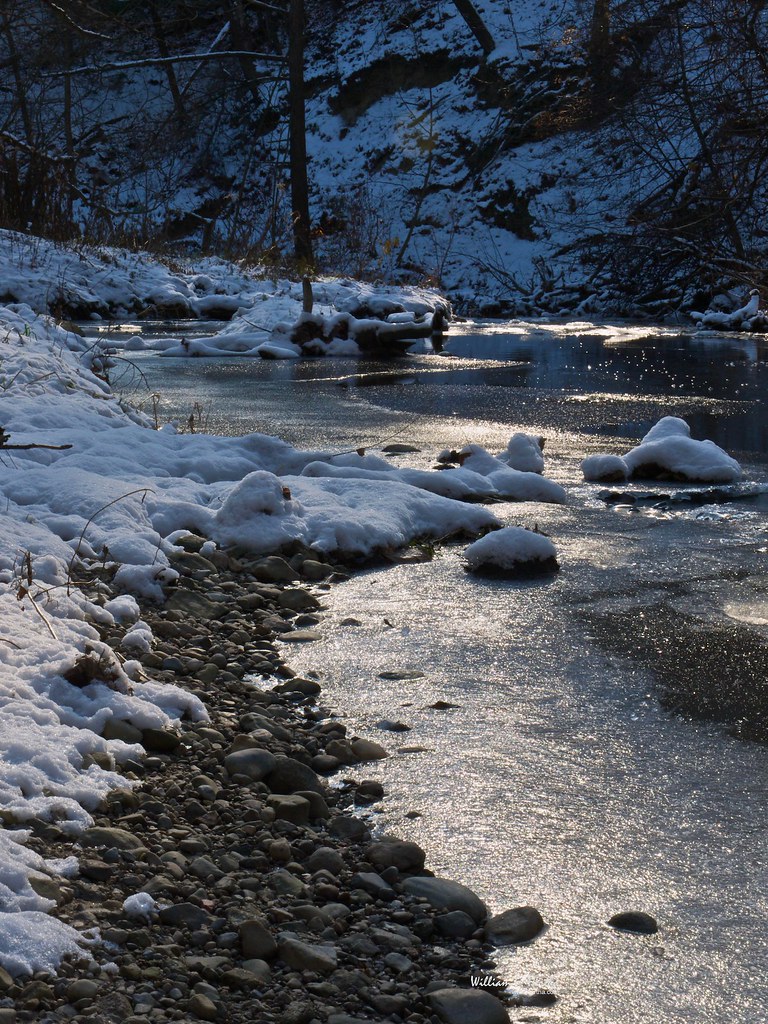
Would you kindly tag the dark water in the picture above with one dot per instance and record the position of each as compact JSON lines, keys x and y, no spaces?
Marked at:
{"x":584,"y":379}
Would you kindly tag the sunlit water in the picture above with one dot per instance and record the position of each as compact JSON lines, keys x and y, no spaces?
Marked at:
{"x":557,"y":780}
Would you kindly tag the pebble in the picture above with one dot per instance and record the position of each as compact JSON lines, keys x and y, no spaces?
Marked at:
{"x":635,"y":921}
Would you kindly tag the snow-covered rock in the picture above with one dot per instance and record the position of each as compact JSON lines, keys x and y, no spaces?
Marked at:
{"x":747,"y":317}
{"x":667,"y":452}
{"x":512,"y":551}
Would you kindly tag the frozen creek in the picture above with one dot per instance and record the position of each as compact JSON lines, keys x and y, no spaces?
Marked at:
{"x":558,"y":780}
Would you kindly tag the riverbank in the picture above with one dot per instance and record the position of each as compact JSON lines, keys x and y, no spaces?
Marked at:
{"x":268,"y":897}
{"x":123,"y":637}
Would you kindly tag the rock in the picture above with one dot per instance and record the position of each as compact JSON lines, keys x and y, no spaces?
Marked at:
{"x":345,"y":827}
{"x":301,"y":636}
{"x":303,"y":957}
{"x":521,"y":924}
{"x":195,"y":605}
{"x":256,"y":941}
{"x":185,"y":915}
{"x":307,"y":687}
{"x":398,"y":962}
{"x":274,"y":569}
{"x":404,"y":675}
{"x":298,"y":600}
{"x":325,"y":764}
{"x":367,"y":750}
{"x":404,"y":855}
{"x":45,"y":886}
{"x":285,"y":883}
{"x":203,"y":1007}
{"x":318,"y":808}
{"x":325,"y":859}
{"x":532,"y":999}
{"x":116,"y":729}
{"x":368,"y":792}
{"x":289,"y":776}
{"x":635,"y":921}
{"x":160,"y":741}
{"x":467,"y":1006}
{"x":118,"y":838}
{"x":373,"y":884}
{"x":312,"y":570}
{"x":389,"y":726}
{"x":260,"y":969}
{"x":290,"y":807}
{"x":254,"y":763}
{"x":202,"y":867}
{"x":83,"y":988}
{"x":444,"y":894}
{"x":455,"y":925}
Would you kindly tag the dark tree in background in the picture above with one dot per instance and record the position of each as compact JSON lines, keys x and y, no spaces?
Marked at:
{"x":302,"y":233}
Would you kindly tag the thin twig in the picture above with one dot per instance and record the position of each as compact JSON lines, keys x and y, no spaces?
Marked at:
{"x":139,"y":490}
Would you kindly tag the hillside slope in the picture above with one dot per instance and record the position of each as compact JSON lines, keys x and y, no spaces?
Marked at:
{"x":603,"y":156}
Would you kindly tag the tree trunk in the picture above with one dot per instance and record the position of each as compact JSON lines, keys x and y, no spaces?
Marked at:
{"x":302,"y":236}
{"x":170,"y":74}
{"x":240,"y":41}
{"x":468,"y":11}
{"x":600,"y":47}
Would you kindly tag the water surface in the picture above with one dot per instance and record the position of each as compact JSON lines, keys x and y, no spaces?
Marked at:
{"x":559,"y":779}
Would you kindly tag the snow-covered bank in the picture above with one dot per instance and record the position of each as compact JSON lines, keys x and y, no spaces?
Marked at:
{"x":85,"y":481}
{"x":81,"y":282}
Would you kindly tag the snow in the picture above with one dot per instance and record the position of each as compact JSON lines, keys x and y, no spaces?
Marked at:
{"x":509,"y":483}
{"x":747,"y":317}
{"x":139,"y":904}
{"x":512,"y":549}
{"x":667,"y":452}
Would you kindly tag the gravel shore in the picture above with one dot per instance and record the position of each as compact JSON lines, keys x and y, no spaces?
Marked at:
{"x":270,"y":898}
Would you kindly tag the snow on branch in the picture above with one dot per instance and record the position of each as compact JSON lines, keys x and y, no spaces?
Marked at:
{"x":91,"y":69}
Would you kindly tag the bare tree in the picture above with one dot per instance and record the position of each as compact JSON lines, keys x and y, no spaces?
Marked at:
{"x":479,"y":30}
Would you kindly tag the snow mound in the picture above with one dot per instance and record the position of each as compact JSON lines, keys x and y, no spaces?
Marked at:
{"x":523,"y":452}
{"x":667,"y":452}
{"x":348,"y":515}
{"x":513,"y":551}
{"x":511,"y":484}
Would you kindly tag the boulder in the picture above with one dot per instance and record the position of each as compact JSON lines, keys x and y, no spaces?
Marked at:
{"x":455,"y":925}
{"x":367,"y":750}
{"x":444,"y":894}
{"x":119,"y":838}
{"x":254,"y":763}
{"x":467,"y":1006}
{"x":303,"y":957}
{"x":290,"y":807}
{"x":256,"y":941}
{"x":185,"y":915}
{"x":521,"y":924}
{"x":289,"y":776}
{"x":402,"y":854}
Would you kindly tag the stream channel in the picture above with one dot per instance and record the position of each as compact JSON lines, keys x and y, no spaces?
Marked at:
{"x":605,"y":751}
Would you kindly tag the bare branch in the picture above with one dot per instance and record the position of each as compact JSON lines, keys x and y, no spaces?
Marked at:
{"x":91,"y":33}
{"x":98,"y":69}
